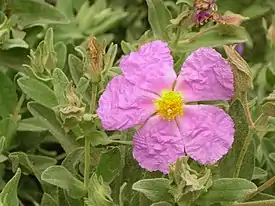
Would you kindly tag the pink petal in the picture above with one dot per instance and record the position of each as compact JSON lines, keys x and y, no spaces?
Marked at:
{"x":150,"y":68}
{"x":157,"y":144}
{"x":123,"y":105}
{"x":205,"y":76}
{"x":208,"y":132}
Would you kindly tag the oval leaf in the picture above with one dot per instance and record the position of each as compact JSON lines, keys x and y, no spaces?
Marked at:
{"x":227,"y":190}
{"x":59,"y":176}
{"x":154,"y":189}
{"x":38,"y":91}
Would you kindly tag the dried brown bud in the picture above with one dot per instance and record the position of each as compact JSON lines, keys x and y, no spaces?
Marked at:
{"x":96,"y":57}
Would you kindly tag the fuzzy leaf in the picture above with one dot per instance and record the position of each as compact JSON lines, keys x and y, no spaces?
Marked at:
{"x":60,"y":84}
{"x":8,"y":195}
{"x":49,"y":121}
{"x":109,"y":165}
{"x":37,"y":12}
{"x":38,"y":91}
{"x":159,"y":17}
{"x":59,"y":176}
{"x":218,"y":35}
{"x":156,"y":189}
{"x":241,"y":70}
{"x":8,"y":96}
{"x":99,"y":193}
{"x":227,"y":165}
{"x":227,"y":190}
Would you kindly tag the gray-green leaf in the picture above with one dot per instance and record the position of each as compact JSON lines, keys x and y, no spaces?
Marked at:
{"x":8,"y":195}
{"x":154,"y":189}
{"x":62,"y":178}
{"x":8,"y":96}
{"x":38,"y":91}
{"x":159,"y":17}
{"x":227,"y":190}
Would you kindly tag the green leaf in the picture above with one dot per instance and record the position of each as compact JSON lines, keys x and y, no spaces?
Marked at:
{"x":76,"y":68}
{"x":154,"y":189}
{"x":14,"y":58}
{"x":122,"y":194}
{"x":227,"y":190}
{"x":268,"y":105}
{"x":61,"y":54}
{"x":48,"y":120}
{"x":48,"y":200}
{"x":109,"y":165}
{"x":2,"y":144}
{"x":67,"y":200}
{"x":59,"y":176}
{"x":188,"y":2}
{"x":242,"y":72}
{"x":268,"y":147}
{"x":34,"y":165}
{"x":228,"y":164}
{"x":66,"y":7}
{"x":8,"y":96}
{"x":8,"y":129}
{"x":109,"y":57}
{"x":31,"y":124}
{"x":9,"y":192}
{"x":31,"y":164}
{"x":73,"y":159}
{"x":161,"y":204}
{"x":255,"y":10}
{"x":14,"y":43}
{"x":99,"y":193}
{"x":218,"y":35}
{"x":60,"y":84}
{"x":126,"y":47}
{"x":259,"y":173}
{"x":38,"y":91}
{"x":32,"y":12}
{"x":159,"y":17}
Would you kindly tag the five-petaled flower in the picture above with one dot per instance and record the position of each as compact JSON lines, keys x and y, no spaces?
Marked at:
{"x":150,"y":94}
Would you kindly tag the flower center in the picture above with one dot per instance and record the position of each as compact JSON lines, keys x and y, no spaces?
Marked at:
{"x":169,"y":105}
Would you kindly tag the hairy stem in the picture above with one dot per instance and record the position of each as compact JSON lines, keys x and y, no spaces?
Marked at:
{"x":18,"y":108}
{"x":87,"y":162}
{"x":264,"y":186}
{"x":247,"y":110}
{"x":87,"y":148}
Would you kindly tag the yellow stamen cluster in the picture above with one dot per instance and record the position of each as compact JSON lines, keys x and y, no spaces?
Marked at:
{"x":170,"y":105}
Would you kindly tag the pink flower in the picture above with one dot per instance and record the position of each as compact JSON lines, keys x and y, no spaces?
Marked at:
{"x":150,"y":93}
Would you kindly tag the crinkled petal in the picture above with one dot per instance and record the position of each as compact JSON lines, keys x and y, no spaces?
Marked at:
{"x":208,"y":132}
{"x":151,"y":67}
{"x":123,"y":105}
{"x":157,"y":144}
{"x":205,"y":76}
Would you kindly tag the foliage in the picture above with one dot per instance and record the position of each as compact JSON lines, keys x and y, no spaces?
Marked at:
{"x":56,"y":59}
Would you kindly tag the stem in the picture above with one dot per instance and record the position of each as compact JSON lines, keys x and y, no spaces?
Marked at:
{"x":87,"y":162}
{"x":87,"y":147}
{"x":93,"y":99}
{"x":191,"y":38}
{"x":256,"y":203}
{"x":242,"y":154}
{"x":264,"y":186}
{"x":247,"y":111}
{"x":18,"y":107}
